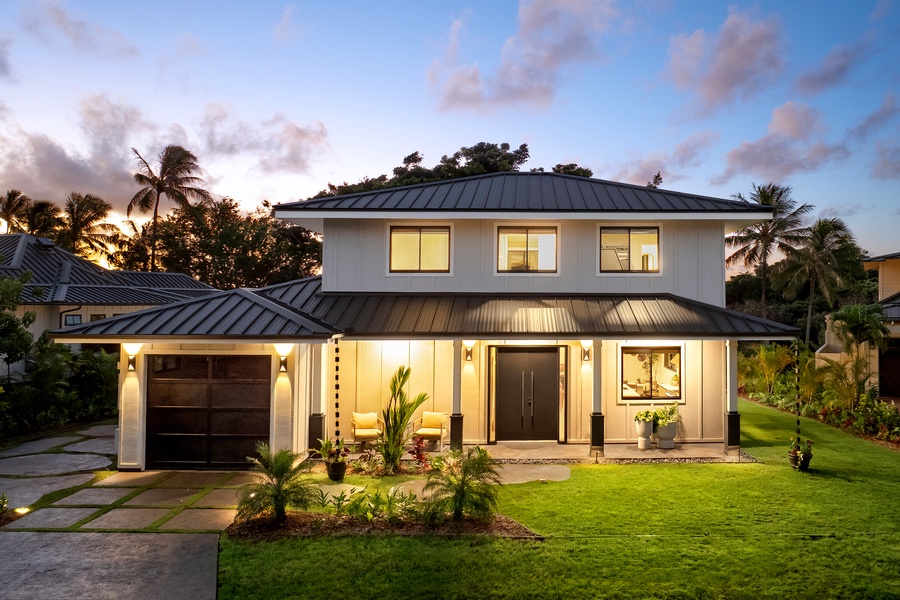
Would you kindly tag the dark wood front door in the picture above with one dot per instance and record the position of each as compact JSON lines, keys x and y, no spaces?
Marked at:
{"x":206,"y":412}
{"x":889,"y":370}
{"x":527,"y":393}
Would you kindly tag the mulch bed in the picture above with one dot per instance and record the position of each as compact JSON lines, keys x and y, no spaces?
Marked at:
{"x":8,"y":517}
{"x":307,"y":524}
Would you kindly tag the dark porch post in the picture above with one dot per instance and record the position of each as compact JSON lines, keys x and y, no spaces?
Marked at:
{"x":456,"y":418}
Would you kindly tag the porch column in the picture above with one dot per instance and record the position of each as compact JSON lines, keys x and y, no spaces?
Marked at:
{"x":316,"y":392}
{"x":456,"y":418}
{"x":597,"y":424}
{"x":732,"y":418}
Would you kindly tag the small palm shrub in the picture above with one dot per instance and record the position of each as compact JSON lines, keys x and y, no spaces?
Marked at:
{"x":463,"y":485}
{"x":283,"y":482}
{"x":396,"y":417}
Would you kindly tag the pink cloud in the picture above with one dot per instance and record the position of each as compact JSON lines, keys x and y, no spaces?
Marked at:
{"x":834,"y":69}
{"x":51,"y":22}
{"x":887,"y":162}
{"x":671,"y":165}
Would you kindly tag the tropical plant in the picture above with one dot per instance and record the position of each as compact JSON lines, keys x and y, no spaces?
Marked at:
{"x":825,"y":259}
{"x":463,"y":485}
{"x":42,"y":218}
{"x":799,"y":448}
{"x":396,"y":417}
{"x":755,"y":243}
{"x":84,"y":229}
{"x":132,"y":248}
{"x":645,"y":416}
{"x":283,"y":482}
{"x":667,"y":414}
{"x":12,"y":209}
{"x":174,"y":178}
{"x":771,"y":360}
{"x":15,"y":337}
{"x":856,"y":326}
{"x":333,"y":452}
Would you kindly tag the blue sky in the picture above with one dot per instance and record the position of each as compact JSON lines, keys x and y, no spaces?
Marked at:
{"x":279,"y":99}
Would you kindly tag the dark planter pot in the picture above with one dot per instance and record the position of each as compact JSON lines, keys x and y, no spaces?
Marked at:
{"x":336,"y":470}
{"x":795,"y":459}
{"x":804,"y":463}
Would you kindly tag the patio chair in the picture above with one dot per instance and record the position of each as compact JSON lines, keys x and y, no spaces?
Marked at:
{"x":432,"y":426}
{"x":366,"y":427}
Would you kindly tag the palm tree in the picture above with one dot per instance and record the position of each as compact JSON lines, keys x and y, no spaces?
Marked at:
{"x":175,"y":178}
{"x":12,"y":209}
{"x":464,"y":485}
{"x":856,"y":325}
{"x":85,"y":231}
{"x":42,"y":218}
{"x":755,"y":243}
{"x":281,"y":482}
{"x":826,"y":259}
{"x":132,"y":248}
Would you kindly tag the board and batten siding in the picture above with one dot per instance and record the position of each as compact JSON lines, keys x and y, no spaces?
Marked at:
{"x":692,"y":259}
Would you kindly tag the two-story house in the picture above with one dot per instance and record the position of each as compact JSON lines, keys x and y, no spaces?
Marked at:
{"x":530,"y":306}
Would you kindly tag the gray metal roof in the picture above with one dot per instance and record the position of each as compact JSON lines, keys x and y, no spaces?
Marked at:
{"x":521,"y":315}
{"x":238,"y":313}
{"x":521,"y":192}
{"x":882,"y":258}
{"x":891,"y":307}
{"x":69,"y":279}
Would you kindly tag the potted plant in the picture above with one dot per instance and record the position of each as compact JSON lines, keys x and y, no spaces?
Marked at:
{"x":644,"y":422}
{"x":799,"y":453}
{"x":335,"y":456}
{"x":667,"y":419}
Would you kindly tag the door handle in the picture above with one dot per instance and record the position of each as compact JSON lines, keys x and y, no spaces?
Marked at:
{"x":529,"y":399}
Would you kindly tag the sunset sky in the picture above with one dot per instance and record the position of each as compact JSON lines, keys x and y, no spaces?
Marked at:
{"x":279,"y":99}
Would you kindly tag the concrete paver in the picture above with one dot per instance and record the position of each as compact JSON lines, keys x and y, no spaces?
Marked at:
{"x":133,"y":478}
{"x":41,"y":565}
{"x":51,"y":518}
{"x":100,"y":431}
{"x":162,"y":497}
{"x":201,"y":519}
{"x":28,"y":490}
{"x":94,"y":496}
{"x":241,"y":479}
{"x":220,"y":498}
{"x":98,"y":445}
{"x":127,"y":518}
{"x":52,"y":464}
{"x":39,"y":446}
{"x":194,"y":479}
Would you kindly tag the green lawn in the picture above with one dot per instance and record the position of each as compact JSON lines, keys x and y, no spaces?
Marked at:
{"x":635,"y":531}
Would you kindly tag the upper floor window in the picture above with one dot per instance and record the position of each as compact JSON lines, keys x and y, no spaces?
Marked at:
{"x":72,"y":320}
{"x":527,"y":249}
{"x":420,"y":249}
{"x":629,"y":249}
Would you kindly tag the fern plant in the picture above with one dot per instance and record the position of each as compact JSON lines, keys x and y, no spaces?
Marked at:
{"x":396,"y":417}
{"x":283,"y":482}
{"x":463,"y":485}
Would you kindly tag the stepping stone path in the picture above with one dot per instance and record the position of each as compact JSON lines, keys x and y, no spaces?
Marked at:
{"x":38,"y":446}
{"x":100,"y":445}
{"x":52,"y":464}
{"x":27,"y":491}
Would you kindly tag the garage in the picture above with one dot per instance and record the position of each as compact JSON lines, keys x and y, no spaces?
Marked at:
{"x":889,"y":370}
{"x":206,"y":411}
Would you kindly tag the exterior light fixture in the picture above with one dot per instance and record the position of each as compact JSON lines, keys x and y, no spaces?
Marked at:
{"x":131,"y":351}
{"x":469,"y":344}
{"x":586,"y":350}
{"x":23,"y":510}
{"x":283,"y":350}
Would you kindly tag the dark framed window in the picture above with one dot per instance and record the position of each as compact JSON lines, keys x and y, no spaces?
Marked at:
{"x":629,"y":249}
{"x":420,"y":250}
{"x":97,"y":316}
{"x":529,"y":249}
{"x":72,"y":320}
{"x":651,"y":373}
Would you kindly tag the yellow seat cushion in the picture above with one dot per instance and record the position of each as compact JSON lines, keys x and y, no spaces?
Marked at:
{"x":433,"y":420}
{"x":366,"y":434}
{"x":365,"y":420}
{"x":429,"y":432}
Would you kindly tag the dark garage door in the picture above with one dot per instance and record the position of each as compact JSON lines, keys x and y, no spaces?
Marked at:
{"x":206,"y":412}
{"x":889,"y":370}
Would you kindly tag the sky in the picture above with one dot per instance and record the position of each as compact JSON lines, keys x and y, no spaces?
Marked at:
{"x":279,"y":99}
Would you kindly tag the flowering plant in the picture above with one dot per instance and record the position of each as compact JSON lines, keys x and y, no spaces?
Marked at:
{"x":333,"y":452}
{"x":647,"y":416}
{"x":800,"y":449}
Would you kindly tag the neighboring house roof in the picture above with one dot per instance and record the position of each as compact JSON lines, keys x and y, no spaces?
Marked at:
{"x":892,"y":307}
{"x":300,"y":309}
{"x":882,"y":258}
{"x":69,"y":279}
{"x":238,"y":313}
{"x":515,"y":194}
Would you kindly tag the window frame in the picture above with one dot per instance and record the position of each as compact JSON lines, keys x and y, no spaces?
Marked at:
{"x":498,"y":229}
{"x":661,"y":349}
{"x":629,"y":227}
{"x":66,"y":319}
{"x":404,"y":272}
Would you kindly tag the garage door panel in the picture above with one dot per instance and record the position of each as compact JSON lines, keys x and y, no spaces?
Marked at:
{"x":245,"y":423}
{"x":240,"y":367}
{"x":174,"y":366}
{"x":231,"y":450}
{"x":178,"y":421}
{"x":177,"y":393}
{"x":169,"y":448}
{"x":234,"y":395}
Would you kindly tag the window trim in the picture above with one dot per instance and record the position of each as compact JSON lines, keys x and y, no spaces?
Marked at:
{"x":629,"y":226}
{"x":527,"y":226}
{"x":656,"y":347}
{"x":73,"y":323}
{"x":420,"y":226}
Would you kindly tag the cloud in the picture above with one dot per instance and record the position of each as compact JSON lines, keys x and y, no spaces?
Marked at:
{"x":670,"y":164}
{"x":5,"y":66}
{"x":881,"y":10}
{"x":795,"y":144}
{"x":286,"y":29}
{"x":280,"y":144}
{"x":552,"y":37}
{"x":743,"y":59}
{"x":834,"y":69}
{"x":50,"y":22}
{"x":877,"y":121}
{"x":887,"y":161}
{"x":840,"y":211}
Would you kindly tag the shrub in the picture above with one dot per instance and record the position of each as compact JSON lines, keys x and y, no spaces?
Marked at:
{"x":396,"y":416}
{"x":463,"y":485}
{"x":284,"y":483}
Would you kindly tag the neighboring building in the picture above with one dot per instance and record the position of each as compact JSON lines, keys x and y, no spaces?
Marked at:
{"x":74,"y":290}
{"x":885,"y":364}
{"x":530,"y":306}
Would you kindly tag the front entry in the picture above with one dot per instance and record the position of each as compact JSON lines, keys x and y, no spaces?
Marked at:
{"x":527,"y":393}
{"x":889,"y":370}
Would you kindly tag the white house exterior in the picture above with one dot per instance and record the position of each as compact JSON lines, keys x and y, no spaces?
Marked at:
{"x":529,"y":306}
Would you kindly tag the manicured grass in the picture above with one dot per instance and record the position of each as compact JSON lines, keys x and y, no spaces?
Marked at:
{"x":635,"y":531}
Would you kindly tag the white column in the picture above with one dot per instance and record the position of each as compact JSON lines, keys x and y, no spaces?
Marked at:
{"x":597,"y":366}
{"x":457,"y":377}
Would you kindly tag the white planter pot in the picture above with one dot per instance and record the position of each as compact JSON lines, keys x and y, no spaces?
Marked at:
{"x":665,"y":435}
{"x":644,"y":431}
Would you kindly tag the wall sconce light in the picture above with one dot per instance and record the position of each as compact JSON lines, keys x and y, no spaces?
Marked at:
{"x":469,"y":344}
{"x":586,"y":350}
{"x":131,"y":351}
{"x":283,"y":350}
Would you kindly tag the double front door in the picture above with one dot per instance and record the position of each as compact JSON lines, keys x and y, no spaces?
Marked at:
{"x":527,"y":393}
